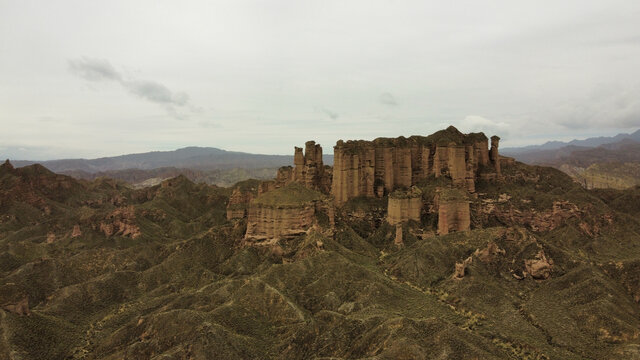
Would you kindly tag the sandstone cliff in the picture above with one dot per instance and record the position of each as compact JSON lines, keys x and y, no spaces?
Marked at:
{"x":241,"y":196}
{"x":282,"y":213}
{"x":453,"y":211}
{"x":375,"y":168}
{"x":238,"y":203}
{"x":404,"y":206}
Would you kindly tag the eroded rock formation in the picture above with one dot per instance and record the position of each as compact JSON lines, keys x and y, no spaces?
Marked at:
{"x":238,"y":203}
{"x":76,"y":231}
{"x":121,"y":222}
{"x":495,"y":157}
{"x":404,"y":206}
{"x":266,"y":222}
{"x":461,"y":268}
{"x":308,"y":170}
{"x":282,"y":213}
{"x":398,"y":240}
{"x":539,"y":267}
{"x":453,"y":211}
{"x":374,"y":168}
{"x":490,"y":253}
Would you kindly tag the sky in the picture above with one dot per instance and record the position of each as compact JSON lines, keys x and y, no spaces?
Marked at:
{"x":101,"y":78}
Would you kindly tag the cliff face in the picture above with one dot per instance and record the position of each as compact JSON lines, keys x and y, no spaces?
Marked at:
{"x":374,"y":168}
{"x":453,"y":211}
{"x":238,"y":203}
{"x":282,"y":213}
{"x":266,"y":222}
{"x":404,"y":206}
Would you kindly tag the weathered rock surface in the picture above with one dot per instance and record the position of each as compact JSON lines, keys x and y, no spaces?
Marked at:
{"x":539,"y":267}
{"x":76,"y":231}
{"x":374,"y":168}
{"x":398,"y":239}
{"x":404,"y":206}
{"x":265,"y":222}
{"x":308,"y":170}
{"x":121,"y":222}
{"x":453,"y":211}
{"x":238,"y":203}
{"x":495,"y":157}
{"x":490,"y":253}
{"x":282,"y":213}
{"x":461,"y":268}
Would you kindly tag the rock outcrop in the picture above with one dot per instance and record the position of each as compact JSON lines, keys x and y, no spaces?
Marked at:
{"x":375,"y":168}
{"x":398,"y":241}
{"x":460,"y":269}
{"x":285,"y":212}
{"x":404,"y":206}
{"x":495,"y":157}
{"x":308,"y":170}
{"x":120,"y":222}
{"x":238,"y":203}
{"x":453,"y":211}
{"x":540,"y":267}
{"x":76,"y":231}
{"x":490,"y":253}
{"x":267,"y":222}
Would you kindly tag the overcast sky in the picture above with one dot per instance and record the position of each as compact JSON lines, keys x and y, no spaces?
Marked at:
{"x":98,"y":78}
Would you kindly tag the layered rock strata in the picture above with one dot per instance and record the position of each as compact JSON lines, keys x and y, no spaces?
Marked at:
{"x":265,"y":222}
{"x":238,"y":204}
{"x":453,"y":211}
{"x":282,"y":213}
{"x":404,"y":206}
{"x":375,"y":168}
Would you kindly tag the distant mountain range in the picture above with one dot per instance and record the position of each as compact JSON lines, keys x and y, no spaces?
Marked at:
{"x":587,"y":143}
{"x":201,"y":164}
{"x":198,"y":158}
{"x":600,"y":162}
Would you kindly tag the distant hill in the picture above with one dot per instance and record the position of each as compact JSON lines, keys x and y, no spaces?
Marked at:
{"x":150,"y":177}
{"x":197,"y":158}
{"x":555,"y":145}
{"x":612,"y":165}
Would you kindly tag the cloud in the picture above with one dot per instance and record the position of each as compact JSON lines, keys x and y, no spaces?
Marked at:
{"x":97,"y":70}
{"x":94,"y":69}
{"x":155,"y":92}
{"x":475,"y":123}
{"x":330,"y":113}
{"x":605,"y":106}
{"x":387,"y":99}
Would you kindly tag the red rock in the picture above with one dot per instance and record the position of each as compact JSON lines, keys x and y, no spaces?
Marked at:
{"x":76,"y":231}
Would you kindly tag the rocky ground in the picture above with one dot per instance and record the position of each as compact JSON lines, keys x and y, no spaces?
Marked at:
{"x":96,"y":270}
